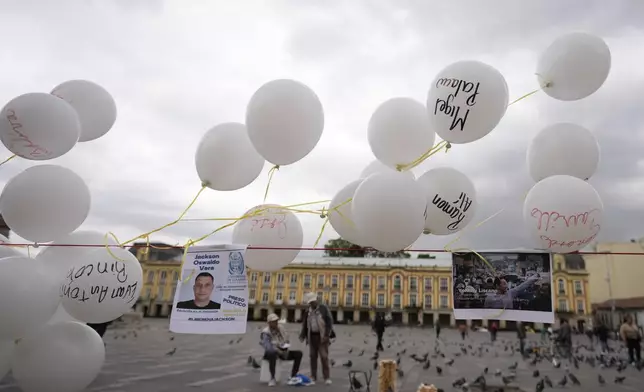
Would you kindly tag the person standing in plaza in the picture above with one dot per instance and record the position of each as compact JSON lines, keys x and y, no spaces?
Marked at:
{"x":276,"y":346}
{"x":379,"y":326}
{"x":463,"y":330}
{"x":602,"y":336}
{"x":438,"y":330}
{"x":317,"y":331}
{"x":630,"y":334}
{"x":564,"y":336}
{"x":494,"y":328}
{"x":521,"y":335}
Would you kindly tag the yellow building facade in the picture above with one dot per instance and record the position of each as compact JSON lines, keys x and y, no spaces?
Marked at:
{"x":410,"y":291}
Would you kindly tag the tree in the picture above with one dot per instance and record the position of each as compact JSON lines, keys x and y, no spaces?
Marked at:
{"x":339,"y":247}
{"x":425,"y":256}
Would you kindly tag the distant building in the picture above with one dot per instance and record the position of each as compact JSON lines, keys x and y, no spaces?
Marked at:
{"x":623,"y":307}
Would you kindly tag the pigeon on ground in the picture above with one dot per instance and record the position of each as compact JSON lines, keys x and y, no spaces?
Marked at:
{"x":332,"y":362}
{"x":619,"y":379}
{"x":250,"y":360}
{"x":348,"y":363}
{"x":485,"y":371}
{"x":563,"y":381}
{"x":601,"y":379}
{"x":361,"y":353}
{"x":439,"y":370}
{"x":427,"y":365}
{"x":375,"y":365}
{"x":535,"y":374}
{"x":375,"y":357}
{"x":548,"y":381}
{"x":450,"y":362}
{"x":255,"y":364}
{"x":575,"y":380}
{"x":171,"y":352}
{"x":458,"y":383}
{"x":400,"y":373}
{"x":357,"y":385}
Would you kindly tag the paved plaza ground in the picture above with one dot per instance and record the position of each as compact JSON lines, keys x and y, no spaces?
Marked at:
{"x":138,"y":360}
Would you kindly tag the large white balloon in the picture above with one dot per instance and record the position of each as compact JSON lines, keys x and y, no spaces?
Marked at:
{"x":377,"y":167}
{"x":271,"y":226}
{"x":6,"y":354}
{"x":61,"y":315}
{"x":451,"y":200}
{"x":65,"y":356}
{"x":388,"y":210}
{"x":574,"y":66}
{"x":45,"y":202}
{"x":342,"y":218}
{"x":39,"y":126}
{"x":563,"y":148}
{"x":28,"y":296}
{"x":399,"y":132}
{"x":226,"y":159}
{"x":563,"y":213}
{"x":285,"y":120}
{"x":95,"y":107}
{"x":466,"y":101}
{"x":103,"y":286}
{"x":57,"y":260}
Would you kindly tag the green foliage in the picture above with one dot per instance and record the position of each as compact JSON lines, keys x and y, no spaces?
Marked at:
{"x":340,"y":247}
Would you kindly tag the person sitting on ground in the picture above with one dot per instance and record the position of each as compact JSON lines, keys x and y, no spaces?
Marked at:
{"x":276,"y":346}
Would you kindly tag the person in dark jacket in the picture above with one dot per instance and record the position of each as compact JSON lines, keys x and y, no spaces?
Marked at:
{"x":602,"y":336}
{"x":564,"y":336}
{"x":379,"y":325}
{"x":317,"y":331}
{"x":521,"y":335}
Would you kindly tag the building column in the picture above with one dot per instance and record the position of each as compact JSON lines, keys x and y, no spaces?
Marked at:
{"x":452,"y":320}
{"x":257,"y":313}
{"x":340,"y":315}
{"x":356,"y":316}
{"x":405,"y":317}
{"x":420,"y":318}
{"x":372,"y":315}
{"x":298,"y":314}
{"x":436,"y":318}
{"x":502,"y":324}
{"x":468,"y":323}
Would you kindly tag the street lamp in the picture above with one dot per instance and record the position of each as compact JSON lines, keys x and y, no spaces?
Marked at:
{"x":609,"y":262}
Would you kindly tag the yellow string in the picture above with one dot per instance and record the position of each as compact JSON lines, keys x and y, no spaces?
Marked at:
{"x":8,"y":159}
{"x":270,"y":178}
{"x":427,"y":154}
{"x":292,"y":207}
{"x":524,"y":96}
{"x":326,"y":221}
{"x":174,"y":222}
{"x":108,"y":246}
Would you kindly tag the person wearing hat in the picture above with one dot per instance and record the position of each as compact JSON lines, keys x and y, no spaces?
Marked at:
{"x":317,"y":330}
{"x":276,"y":346}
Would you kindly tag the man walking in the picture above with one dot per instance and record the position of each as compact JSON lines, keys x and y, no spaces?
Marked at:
{"x":317,"y":327}
{"x":379,"y":325}
{"x":564,"y":336}
{"x":521,"y":335}
{"x":438,"y":330}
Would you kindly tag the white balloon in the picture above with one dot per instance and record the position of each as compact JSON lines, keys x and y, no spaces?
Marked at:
{"x":451,"y":200}
{"x":563,"y":148}
{"x":563,"y":213}
{"x":574,"y":66}
{"x":28,"y":296}
{"x":274,"y":227}
{"x":45,"y":202}
{"x":39,"y":126}
{"x":7,"y":251}
{"x":57,"y":260}
{"x":95,"y":107}
{"x":388,"y":210}
{"x":285,"y":120}
{"x":61,"y":315}
{"x":399,"y":132}
{"x":6,"y":354}
{"x":377,"y":167}
{"x":103,"y":286}
{"x":466,"y":101}
{"x":65,"y":356}
{"x":342,"y":219}
{"x":226,"y":159}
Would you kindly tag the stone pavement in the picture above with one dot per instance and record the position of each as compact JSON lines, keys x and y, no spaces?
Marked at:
{"x":138,"y":360}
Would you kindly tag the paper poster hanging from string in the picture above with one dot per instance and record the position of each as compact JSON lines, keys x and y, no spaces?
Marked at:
{"x":507,"y":285}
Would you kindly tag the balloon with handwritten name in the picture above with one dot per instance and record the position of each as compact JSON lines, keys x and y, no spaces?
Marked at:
{"x":28,"y":296}
{"x":563,"y":148}
{"x":226,"y":159}
{"x":95,"y":107}
{"x":574,"y":66}
{"x":388,"y":211}
{"x":45,"y":202}
{"x":399,"y":132}
{"x":341,"y":218}
{"x":451,"y":200}
{"x":39,"y":126}
{"x":466,"y":101}
{"x":563,"y":213}
{"x":270,"y":226}
{"x":101,"y":287}
{"x":285,"y":120}
{"x":377,"y":167}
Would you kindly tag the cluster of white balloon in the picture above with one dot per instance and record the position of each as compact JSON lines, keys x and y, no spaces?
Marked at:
{"x":45,"y":301}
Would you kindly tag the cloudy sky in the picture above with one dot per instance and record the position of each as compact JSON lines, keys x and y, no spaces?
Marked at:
{"x":177,"y":68}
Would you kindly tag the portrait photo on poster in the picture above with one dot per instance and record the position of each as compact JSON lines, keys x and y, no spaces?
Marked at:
{"x":198,"y":292}
{"x":503,"y":285}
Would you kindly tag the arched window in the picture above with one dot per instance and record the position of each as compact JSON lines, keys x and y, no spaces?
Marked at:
{"x":561,"y":286}
{"x":150,"y":276}
{"x":397,"y":283}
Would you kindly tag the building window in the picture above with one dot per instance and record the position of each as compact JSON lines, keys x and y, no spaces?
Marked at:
{"x":334,"y":299}
{"x":365,"y":299}
{"x":561,"y":286}
{"x":443,"y":284}
{"x":396,"y":303}
{"x":267,"y":278}
{"x":428,"y":301}
{"x":397,"y":282}
{"x":265,"y":297}
{"x":579,"y":288}
{"x":444,"y":302}
{"x":280,"y":278}
{"x":150,"y":276}
{"x":307,"y":281}
{"x":291,"y":295}
{"x":413,"y":300}
{"x":160,"y":293}
{"x":348,"y":300}
{"x":563,"y":305}
{"x":147,"y":293}
{"x":334,"y":281}
{"x":349,"y":284}
{"x":253,"y":277}
{"x":320,"y":296}
{"x":381,"y":283}
{"x":320,"y":281}
{"x":174,"y":291}
{"x":428,"y":284}
{"x":413,"y":283}
{"x":164,"y":276}
{"x":293,"y":280}
{"x":381,"y":300}
{"x":581,"y":309}
{"x":176,"y":277}
{"x":366,"y":282}
{"x":559,"y":266}
{"x":251,"y":294}
{"x":278,"y":296}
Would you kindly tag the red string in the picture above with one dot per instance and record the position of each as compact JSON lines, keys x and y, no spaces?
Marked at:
{"x":161,"y":247}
